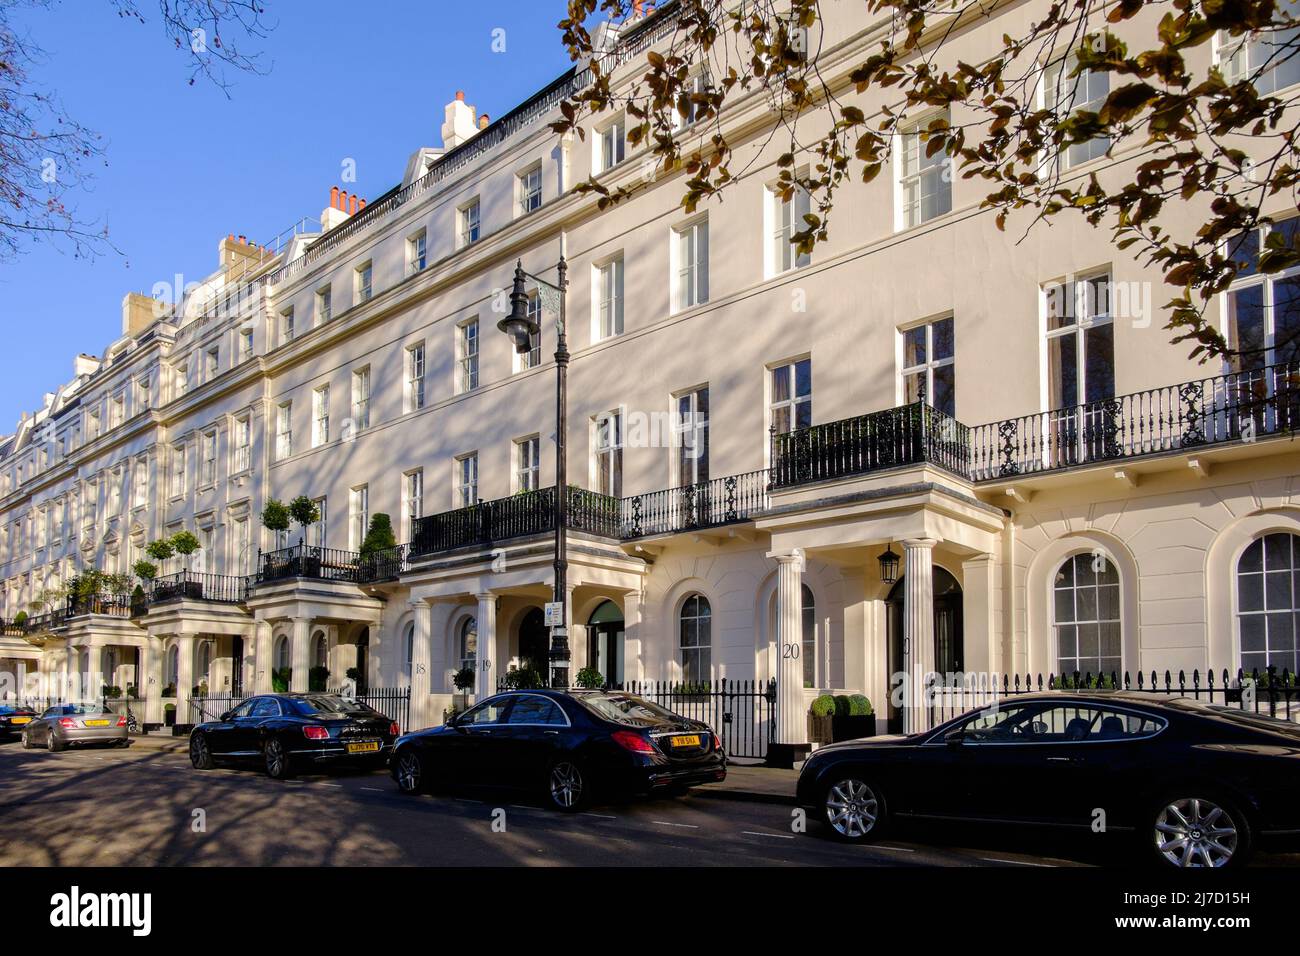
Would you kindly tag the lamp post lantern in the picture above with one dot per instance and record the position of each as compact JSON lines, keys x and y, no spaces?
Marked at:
{"x":521,"y":327}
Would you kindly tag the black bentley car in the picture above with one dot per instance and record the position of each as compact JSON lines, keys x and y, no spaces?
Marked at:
{"x":285,"y":731}
{"x":13,"y":718}
{"x":1197,"y":784}
{"x":568,"y":746}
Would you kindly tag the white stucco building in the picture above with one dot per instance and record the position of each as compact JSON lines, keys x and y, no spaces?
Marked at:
{"x":1066,"y":490}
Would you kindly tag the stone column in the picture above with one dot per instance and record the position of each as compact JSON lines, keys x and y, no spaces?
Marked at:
{"x":633,"y":663}
{"x":421,"y":662}
{"x":263,"y":657}
{"x":791,"y":714}
{"x":300,"y":654}
{"x":152,"y":683}
{"x":918,"y":630}
{"x":184,"y":677}
{"x":485,"y":685}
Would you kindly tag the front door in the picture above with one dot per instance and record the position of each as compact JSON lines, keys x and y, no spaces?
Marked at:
{"x":947,"y":636}
{"x":534,"y":643}
{"x":237,"y":666}
{"x":605,"y":642}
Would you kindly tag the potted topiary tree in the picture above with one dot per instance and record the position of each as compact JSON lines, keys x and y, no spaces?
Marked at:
{"x":281,"y":678}
{"x":590,"y":678}
{"x":275,"y":518}
{"x":379,"y":540}
{"x":463,"y":681}
{"x":820,"y":715}
{"x":185,"y":543}
{"x":523,"y":678}
{"x":160,"y":551}
{"x":303,"y":511}
{"x":318,"y":678}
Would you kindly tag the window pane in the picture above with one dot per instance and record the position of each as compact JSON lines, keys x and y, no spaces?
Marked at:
{"x":1100,"y":348}
{"x":1063,"y":371}
{"x":1286,"y":320}
{"x":945,"y":390}
{"x":943,"y":339}
{"x":914,"y":347}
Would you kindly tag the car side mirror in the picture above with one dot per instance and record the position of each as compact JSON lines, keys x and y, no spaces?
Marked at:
{"x":954,"y":738}
{"x":226,"y":715}
{"x":449,"y":720}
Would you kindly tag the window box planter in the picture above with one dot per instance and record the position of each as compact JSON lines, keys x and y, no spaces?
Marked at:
{"x":820,"y":730}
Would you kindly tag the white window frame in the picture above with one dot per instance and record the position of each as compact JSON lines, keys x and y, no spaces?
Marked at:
{"x":176,"y":485}
{"x":611,"y":144}
{"x":469,"y":225}
{"x":782,"y":218}
{"x":242,"y":445}
{"x":416,"y":376}
{"x":793,"y":403}
{"x":528,"y":190}
{"x":358,"y":515}
{"x":361,"y":395}
{"x":690,"y":265}
{"x":363,"y":282}
{"x":412,"y":500}
{"x":914,"y":168}
{"x":417,"y":251}
{"x":284,"y":431}
{"x":287,"y":330}
{"x":1052,"y":97}
{"x":528,"y":461}
{"x":465,"y":480}
{"x":325,"y":303}
{"x":467,"y":356}
{"x":608,"y":281}
{"x":208,"y":463}
{"x":320,"y":415}
{"x":607,"y":441}
{"x":926,"y":368}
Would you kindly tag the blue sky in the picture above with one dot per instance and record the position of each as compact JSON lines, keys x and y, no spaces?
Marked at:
{"x":187,"y":166}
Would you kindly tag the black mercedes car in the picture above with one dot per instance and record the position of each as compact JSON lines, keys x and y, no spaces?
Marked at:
{"x":13,"y":718}
{"x":285,"y":731}
{"x":567,"y":745}
{"x":1198,"y":784}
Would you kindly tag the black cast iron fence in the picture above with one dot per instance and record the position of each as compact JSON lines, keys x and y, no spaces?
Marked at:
{"x":215,"y":588}
{"x":1274,"y":693}
{"x":393,"y":702}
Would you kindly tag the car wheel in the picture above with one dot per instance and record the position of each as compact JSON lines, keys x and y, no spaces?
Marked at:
{"x":566,"y":786}
{"x":408,"y":771}
{"x":27,"y":741}
{"x":854,"y":811}
{"x":52,"y":745}
{"x":277,"y":759}
{"x":1200,"y":833}
{"x":200,"y":753}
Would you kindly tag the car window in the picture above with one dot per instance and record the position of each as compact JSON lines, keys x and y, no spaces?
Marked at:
{"x":488,"y":712}
{"x":1058,"y":723}
{"x":536,"y":710}
{"x":625,"y":708}
{"x":331,"y":705}
{"x":999,"y":723}
{"x":266,"y":707}
{"x":243,"y":710}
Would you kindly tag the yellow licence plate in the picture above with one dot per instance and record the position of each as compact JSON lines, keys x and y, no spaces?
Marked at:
{"x":21,"y":720}
{"x":98,"y":723}
{"x":369,"y":747}
{"x":690,"y":740}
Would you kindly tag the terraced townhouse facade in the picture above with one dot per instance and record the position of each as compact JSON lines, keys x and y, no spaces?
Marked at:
{"x":749,"y":432}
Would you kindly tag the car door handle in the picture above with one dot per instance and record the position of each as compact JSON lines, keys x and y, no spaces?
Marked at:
{"x":1065,"y":760}
{"x":552,"y":733}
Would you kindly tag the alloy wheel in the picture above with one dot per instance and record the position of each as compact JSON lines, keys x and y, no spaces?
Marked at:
{"x":852,"y":808}
{"x":199,"y":757}
{"x":566,"y":785}
{"x":408,"y":772}
{"x":1193,"y":832}
{"x":276,"y":760}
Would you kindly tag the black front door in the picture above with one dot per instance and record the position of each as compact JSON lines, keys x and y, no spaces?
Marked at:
{"x":237,"y":667}
{"x":947,"y":636}
{"x":534,"y":642}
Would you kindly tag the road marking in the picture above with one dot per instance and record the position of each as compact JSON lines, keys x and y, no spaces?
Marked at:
{"x":684,"y":826}
{"x":990,"y":859}
{"x":374,"y":789}
{"x":600,"y":816}
{"x":779,"y":836}
{"x":465,"y":800}
{"x":896,"y":849}
{"x":337,"y":786}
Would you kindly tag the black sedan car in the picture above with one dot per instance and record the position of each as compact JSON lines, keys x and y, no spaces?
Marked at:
{"x":13,"y":718}
{"x":282,"y":732}
{"x":567,"y":745}
{"x":1198,"y":784}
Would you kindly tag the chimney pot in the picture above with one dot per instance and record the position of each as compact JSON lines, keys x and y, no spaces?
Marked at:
{"x":230,"y":238}
{"x":243,"y":240}
{"x":334,"y":197}
{"x":484,"y":121}
{"x":460,"y":95}
{"x":352,"y":205}
{"x":361,"y":205}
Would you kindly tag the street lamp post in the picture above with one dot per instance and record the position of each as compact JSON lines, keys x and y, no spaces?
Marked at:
{"x":521,"y":328}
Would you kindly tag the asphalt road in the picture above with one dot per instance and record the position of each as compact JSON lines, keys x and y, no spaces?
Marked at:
{"x":143,"y":807}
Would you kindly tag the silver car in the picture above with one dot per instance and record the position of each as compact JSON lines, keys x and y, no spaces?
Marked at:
{"x":75,"y":725}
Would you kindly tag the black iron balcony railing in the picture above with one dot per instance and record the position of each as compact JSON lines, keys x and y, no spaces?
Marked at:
{"x":519,"y":515}
{"x":907,"y":435}
{"x":705,"y":504}
{"x":309,"y":561}
{"x":195,"y":586}
{"x":114,"y":605}
{"x":1240,"y":406}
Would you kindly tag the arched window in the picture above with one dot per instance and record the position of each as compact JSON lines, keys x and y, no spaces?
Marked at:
{"x":282,"y":653}
{"x":809,"y":649}
{"x":696,"y":638}
{"x":467,"y":640}
{"x":408,"y":646}
{"x":204,"y":662}
{"x":320,"y":650}
{"x":1086,"y":615}
{"x":1268,"y":579}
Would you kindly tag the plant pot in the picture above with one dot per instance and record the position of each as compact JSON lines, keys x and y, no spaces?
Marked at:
{"x":852,"y":728}
{"x":819,"y":729}
{"x":311,"y":567}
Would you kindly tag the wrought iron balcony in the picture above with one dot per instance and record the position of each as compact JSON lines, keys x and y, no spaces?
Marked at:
{"x":194,"y":586}
{"x":1240,"y":406}
{"x":519,"y":515}
{"x":706,"y":504}
{"x":906,"y":435}
{"x":309,"y":561}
